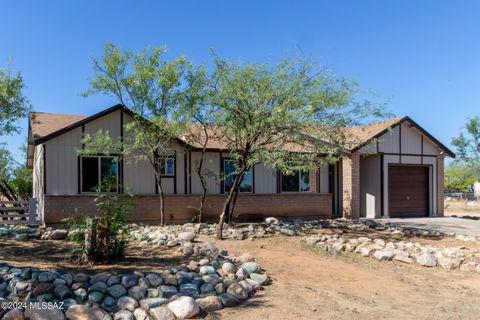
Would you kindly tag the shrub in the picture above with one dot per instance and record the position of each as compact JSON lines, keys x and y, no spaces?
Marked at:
{"x":104,"y":236}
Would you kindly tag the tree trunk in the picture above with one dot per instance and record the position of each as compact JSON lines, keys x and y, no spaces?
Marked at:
{"x":226,"y":205}
{"x":200,"y":172}
{"x":162,"y":200}
{"x":89,"y":247}
{"x":232,"y":206}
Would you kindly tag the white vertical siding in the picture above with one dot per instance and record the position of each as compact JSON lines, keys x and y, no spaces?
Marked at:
{"x":211,"y":163}
{"x":324,"y":182}
{"x":265,"y":179}
{"x":38,"y":180}
{"x":110,"y":122}
{"x":411,"y":139}
{"x":370,"y":186}
{"x":389,"y":142}
{"x":62,"y":163}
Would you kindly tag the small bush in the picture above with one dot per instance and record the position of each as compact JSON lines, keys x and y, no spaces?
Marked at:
{"x":104,"y":236}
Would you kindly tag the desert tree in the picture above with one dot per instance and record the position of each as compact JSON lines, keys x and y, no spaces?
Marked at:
{"x":288,"y":116}
{"x":15,"y":178}
{"x":467,"y":145}
{"x":157,"y":91}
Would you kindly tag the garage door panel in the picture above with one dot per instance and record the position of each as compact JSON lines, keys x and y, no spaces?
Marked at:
{"x":408,"y":192}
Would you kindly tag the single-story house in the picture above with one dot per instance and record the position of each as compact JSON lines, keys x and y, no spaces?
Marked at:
{"x":396,"y":170}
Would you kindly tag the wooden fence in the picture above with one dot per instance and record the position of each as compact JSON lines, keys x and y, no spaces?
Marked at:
{"x":18,"y":212}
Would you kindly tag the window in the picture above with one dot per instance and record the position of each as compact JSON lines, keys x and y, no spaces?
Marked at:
{"x":228,"y":169}
{"x":167,"y":167}
{"x":297,"y":182}
{"x":99,"y":171}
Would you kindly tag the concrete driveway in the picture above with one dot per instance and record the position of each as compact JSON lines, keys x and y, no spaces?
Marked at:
{"x":466,"y":227}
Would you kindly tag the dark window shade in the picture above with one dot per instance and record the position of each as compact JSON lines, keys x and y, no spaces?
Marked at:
{"x":89,"y":174}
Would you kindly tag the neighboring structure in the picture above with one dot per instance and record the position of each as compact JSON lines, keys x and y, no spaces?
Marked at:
{"x":399,"y":174}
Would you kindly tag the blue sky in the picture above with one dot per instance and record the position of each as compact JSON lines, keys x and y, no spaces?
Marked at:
{"x":424,"y":55}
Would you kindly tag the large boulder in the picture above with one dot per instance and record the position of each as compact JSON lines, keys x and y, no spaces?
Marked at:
{"x":117,"y":291}
{"x":184,"y":307}
{"x":186,"y":236}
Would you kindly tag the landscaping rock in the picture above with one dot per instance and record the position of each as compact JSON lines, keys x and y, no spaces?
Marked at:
{"x":211,"y":303}
{"x":59,"y":234}
{"x":129,"y":280}
{"x":383,"y":255}
{"x":162,"y":313}
{"x":150,"y":303}
{"x":427,"y":260}
{"x":186,"y":236}
{"x":403,"y":256}
{"x":117,"y":291}
{"x":184,"y":307}
{"x":127,"y":303}
{"x":44,"y":314}
{"x":237,"y":291}
{"x":83,"y":312}
{"x":123,"y":315}
{"x":250,"y":267}
{"x":228,"y":300}
{"x":261,"y":279}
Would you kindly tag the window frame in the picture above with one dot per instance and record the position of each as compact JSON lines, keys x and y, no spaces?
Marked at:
{"x":299,"y":182}
{"x":166,"y":174}
{"x":252,"y":170}
{"x":99,"y":161}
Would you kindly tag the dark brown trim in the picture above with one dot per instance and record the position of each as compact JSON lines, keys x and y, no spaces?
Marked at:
{"x":185,"y":172}
{"x":279,"y":181}
{"x":400,"y":142}
{"x":190,"y":171}
{"x":79,"y":178}
{"x":222,"y":178}
{"x":317,"y":178}
{"x":435,"y":199}
{"x":175,"y":172}
{"x":331,"y":181}
{"x":121,"y":164}
{"x":253,"y":179}
{"x":44,"y":169}
{"x":339,"y":212}
{"x":421,"y":149}
{"x":156,"y":178}
{"x":408,"y":154}
{"x":378,"y":147}
{"x":414,"y":124}
{"x":382,"y":192}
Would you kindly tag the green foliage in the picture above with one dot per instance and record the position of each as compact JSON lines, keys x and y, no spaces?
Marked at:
{"x":460,"y":177}
{"x":159,"y":91}
{"x":13,"y":103}
{"x":109,"y":227}
{"x":15,"y":178}
{"x":468,"y":144}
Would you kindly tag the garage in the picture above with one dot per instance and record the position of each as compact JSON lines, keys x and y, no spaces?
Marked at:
{"x":408,"y":191}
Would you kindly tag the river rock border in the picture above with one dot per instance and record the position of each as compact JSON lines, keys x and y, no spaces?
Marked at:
{"x":215,"y":281}
{"x":449,"y":258}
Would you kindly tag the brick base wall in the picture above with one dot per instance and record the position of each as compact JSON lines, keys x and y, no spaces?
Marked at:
{"x":181,"y":208}
{"x":440,"y":184}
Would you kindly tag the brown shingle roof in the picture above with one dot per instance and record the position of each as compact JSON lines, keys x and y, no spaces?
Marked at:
{"x":43,"y":123}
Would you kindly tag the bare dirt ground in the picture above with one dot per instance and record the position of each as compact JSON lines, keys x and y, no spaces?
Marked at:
{"x":307,"y":284}
{"x":460,"y":207}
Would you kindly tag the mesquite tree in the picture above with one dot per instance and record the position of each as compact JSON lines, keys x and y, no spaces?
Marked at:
{"x":15,"y":178}
{"x":288,"y":116}
{"x":157,"y":91}
{"x":468,"y":146}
